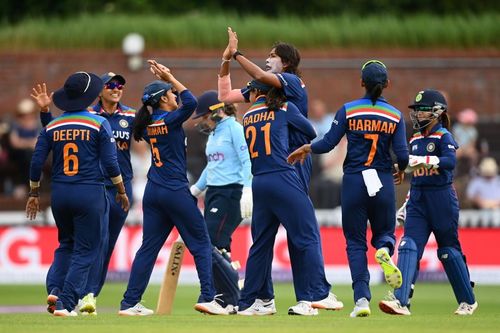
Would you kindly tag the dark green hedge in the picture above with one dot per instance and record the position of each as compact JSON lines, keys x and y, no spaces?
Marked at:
{"x":12,"y":11}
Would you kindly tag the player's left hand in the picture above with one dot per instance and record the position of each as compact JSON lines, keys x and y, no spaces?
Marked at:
{"x":123,"y":200}
{"x":32,"y":207}
{"x":398,"y":175}
{"x":160,"y":71}
{"x":300,"y":154}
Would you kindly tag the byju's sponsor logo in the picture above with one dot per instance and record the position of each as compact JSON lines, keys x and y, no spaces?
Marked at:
{"x":215,"y":157}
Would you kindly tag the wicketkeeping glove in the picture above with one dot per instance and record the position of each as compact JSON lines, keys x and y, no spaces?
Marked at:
{"x":246,"y":202}
{"x":417,"y":162}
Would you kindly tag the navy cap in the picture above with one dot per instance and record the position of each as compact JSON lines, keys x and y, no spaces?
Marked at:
{"x":374,"y":72}
{"x":255,"y":84}
{"x":207,"y":102}
{"x":153,"y":92}
{"x":112,"y":76}
{"x":78,"y":92}
{"x":428,"y":97}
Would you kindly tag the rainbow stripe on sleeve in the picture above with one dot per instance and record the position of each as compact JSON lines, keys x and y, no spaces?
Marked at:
{"x":373,"y":110}
{"x":74,"y":120}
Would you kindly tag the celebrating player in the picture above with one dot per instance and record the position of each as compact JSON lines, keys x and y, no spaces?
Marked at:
{"x":372,"y":126}
{"x":81,"y":143}
{"x":432,"y":206}
{"x":278,"y":198}
{"x":120,"y":118}
{"x":167,"y":200}
{"x":281,"y":72}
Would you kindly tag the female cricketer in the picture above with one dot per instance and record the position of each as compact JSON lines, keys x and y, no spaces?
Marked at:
{"x":432,"y":206}
{"x":121,"y":119}
{"x":167,"y":201}
{"x":372,"y":126}
{"x":82,"y":143}
{"x":281,"y":72}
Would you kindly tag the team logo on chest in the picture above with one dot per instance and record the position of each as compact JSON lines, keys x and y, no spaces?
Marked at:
{"x":123,"y":123}
{"x":431,"y":147}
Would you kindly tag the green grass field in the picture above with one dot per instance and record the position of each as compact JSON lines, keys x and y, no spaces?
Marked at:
{"x":432,"y":312}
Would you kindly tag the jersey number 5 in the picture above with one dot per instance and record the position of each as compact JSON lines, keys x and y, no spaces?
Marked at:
{"x":373,"y":149}
{"x":156,"y":153}
{"x":251,"y":133}
{"x":69,"y":158}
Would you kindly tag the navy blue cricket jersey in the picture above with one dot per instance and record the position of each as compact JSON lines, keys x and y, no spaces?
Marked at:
{"x":371,"y":130}
{"x":439,"y":142}
{"x":121,"y":122}
{"x":295,"y":92}
{"x":81,"y":143}
{"x":268,"y":130}
{"x":167,"y":139}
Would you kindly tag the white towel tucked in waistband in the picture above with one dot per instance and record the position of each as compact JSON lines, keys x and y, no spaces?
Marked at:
{"x":372,"y":182}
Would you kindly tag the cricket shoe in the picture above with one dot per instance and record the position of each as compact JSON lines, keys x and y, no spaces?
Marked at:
{"x":392,"y":273}
{"x":328,"y":303}
{"x":136,"y":310}
{"x":231,"y":309}
{"x":466,"y":309}
{"x":88,"y":304}
{"x":60,"y":311}
{"x":391,"y":305}
{"x":211,"y":308}
{"x":259,"y":307}
{"x":303,"y":308}
{"x":52,"y":299}
{"x":361,"y":308}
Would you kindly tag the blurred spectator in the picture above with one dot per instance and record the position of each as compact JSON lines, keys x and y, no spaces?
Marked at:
{"x":466,"y":135}
{"x":320,"y":118}
{"x":484,"y":190}
{"x":21,"y":143}
{"x":141,"y":160}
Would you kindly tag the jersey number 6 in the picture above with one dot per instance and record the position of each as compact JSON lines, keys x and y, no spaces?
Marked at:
{"x":251,"y":133}
{"x":68,"y":157}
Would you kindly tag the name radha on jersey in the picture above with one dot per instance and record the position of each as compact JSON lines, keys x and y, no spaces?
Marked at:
{"x":258,"y":117}
{"x":371,"y":125}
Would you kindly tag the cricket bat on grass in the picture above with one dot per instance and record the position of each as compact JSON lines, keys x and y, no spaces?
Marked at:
{"x":170,"y":279}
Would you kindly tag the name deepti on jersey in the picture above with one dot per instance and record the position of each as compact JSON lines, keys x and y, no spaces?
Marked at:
{"x":71,"y":135}
{"x":61,"y":134}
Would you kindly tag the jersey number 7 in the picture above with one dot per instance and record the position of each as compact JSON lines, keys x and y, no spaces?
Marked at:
{"x":373,"y":149}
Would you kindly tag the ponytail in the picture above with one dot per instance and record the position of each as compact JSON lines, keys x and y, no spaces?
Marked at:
{"x":445,"y":120}
{"x":275,"y":99}
{"x":375,"y":92}
{"x":142,"y":120}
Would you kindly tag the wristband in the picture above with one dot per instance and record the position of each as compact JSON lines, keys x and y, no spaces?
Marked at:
{"x":237,"y":53}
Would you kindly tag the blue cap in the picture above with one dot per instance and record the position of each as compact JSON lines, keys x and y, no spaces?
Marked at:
{"x":78,"y":92}
{"x":255,"y":84}
{"x":374,"y":72}
{"x":207,"y":102}
{"x":153,"y":92}
{"x":428,"y":97}
{"x":112,"y":76}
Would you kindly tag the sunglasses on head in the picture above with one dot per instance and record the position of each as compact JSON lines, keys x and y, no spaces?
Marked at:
{"x":112,"y":85}
{"x":369,"y":62}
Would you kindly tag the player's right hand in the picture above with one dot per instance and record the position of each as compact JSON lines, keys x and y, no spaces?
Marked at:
{"x":299,"y":154}
{"x":41,"y":98}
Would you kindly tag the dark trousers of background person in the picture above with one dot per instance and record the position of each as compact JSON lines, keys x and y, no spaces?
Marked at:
{"x":357,"y":208}
{"x":164,"y":209}
{"x":79,"y":212}
{"x":279,"y":198}
{"x":222,"y":213}
{"x":110,"y":232}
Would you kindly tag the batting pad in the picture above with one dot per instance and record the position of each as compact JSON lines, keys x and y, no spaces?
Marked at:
{"x":456,"y":270}
{"x":407,"y":264}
